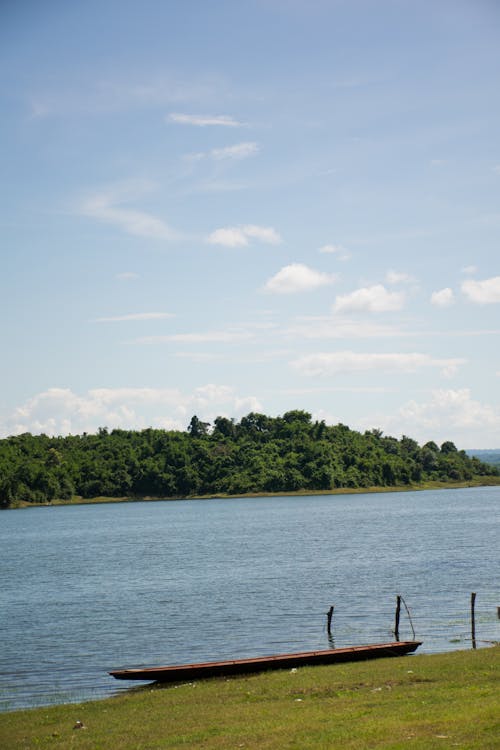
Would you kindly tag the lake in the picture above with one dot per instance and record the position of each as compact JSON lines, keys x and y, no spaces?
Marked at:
{"x":90,"y":588}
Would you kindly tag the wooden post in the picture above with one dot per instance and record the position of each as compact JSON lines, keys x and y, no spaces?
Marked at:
{"x":498,"y":612}
{"x":398,"y":613}
{"x":329,"y":616}
{"x":473,"y":618}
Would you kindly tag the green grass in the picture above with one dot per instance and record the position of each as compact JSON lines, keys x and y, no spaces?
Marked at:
{"x":437,"y":701}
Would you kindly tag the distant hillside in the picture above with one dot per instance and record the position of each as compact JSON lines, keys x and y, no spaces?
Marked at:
{"x":259,"y":454}
{"x":487,"y":456}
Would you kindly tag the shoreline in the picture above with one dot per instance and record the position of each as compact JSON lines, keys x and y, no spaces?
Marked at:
{"x":488,"y":481}
{"x":311,"y":707}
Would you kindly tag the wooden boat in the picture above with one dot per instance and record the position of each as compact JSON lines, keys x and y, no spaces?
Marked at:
{"x":188,"y":672}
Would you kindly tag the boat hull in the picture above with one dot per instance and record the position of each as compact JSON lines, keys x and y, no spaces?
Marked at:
{"x":188,"y":672}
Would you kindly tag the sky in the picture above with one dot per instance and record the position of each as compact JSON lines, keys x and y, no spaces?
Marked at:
{"x":220,"y":207}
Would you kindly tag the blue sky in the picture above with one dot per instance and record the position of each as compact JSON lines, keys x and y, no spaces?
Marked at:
{"x":219,"y":207}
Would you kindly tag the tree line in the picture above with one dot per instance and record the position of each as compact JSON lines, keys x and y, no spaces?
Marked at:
{"x":257,"y":454}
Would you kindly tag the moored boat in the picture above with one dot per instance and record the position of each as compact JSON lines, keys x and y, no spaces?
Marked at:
{"x":180,"y":672}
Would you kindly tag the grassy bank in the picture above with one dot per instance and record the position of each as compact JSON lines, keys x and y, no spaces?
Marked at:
{"x":438,"y":701}
{"x":488,"y":481}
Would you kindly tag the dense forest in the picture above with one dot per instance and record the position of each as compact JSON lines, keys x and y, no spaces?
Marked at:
{"x":257,"y":454}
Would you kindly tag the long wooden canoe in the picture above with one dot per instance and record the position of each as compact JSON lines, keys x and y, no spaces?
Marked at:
{"x":182,"y":672}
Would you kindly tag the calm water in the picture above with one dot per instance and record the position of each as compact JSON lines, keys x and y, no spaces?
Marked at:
{"x":86,"y":589}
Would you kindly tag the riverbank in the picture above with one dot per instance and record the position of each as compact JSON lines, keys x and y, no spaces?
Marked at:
{"x":489,"y":481}
{"x":422,"y":701}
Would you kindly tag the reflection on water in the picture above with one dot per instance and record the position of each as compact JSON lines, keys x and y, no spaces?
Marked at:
{"x":86,"y":589}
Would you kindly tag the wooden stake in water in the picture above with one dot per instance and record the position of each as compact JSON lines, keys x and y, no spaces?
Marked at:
{"x":329,"y":616}
{"x":473,"y":618}
{"x":398,"y":613}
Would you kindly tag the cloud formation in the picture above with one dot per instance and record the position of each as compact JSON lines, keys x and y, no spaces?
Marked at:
{"x":374,"y":299}
{"x":455,"y":408}
{"x":334,"y":363}
{"x":221,"y":337}
{"x":202,"y":121}
{"x":338,"y":250}
{"x":237,"y":151}
{"x":60,"y":411}
{"x":241,"y":236}
{"x":484,"y":292}
{"x":446,"y":414}
{"x":443,"y":298}
{"x":106,"y":206}
{"x":298,"y":277}
{"x":398,"y":277}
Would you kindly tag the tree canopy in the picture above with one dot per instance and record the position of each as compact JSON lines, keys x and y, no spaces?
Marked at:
{"x":257,"y":454}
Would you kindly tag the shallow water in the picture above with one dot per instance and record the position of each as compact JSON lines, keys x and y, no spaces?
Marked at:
{"x":90,"y":588}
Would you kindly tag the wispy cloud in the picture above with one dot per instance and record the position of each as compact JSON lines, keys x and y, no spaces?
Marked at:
{"x":398,"y":277}
{"x":202,"y":121}
{"x":240,"y":236}
{"x":334,"y":363}
{"x":237,"y":151}
{"x":106,"y":206}
{"x":371,"y":299}
{"x":338,"y":250}
{"x":298,"y":277}
{"x":135,"y":316}
{"x":221,"y":337}
{"x":443,"y":298}
{"x":484,"y":292}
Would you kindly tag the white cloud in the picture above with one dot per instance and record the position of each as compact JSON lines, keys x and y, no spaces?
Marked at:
{"x":135,"y":316}
{"x":221,"y":337}
{"x":60,"y":411}
{"x":239,"y":236}
{"x":106,"y":206}
{"x":238,"y":151}
{"x":482,"y":292}
{"x":338,"y":250}
{"x":333,"y":363}
{"x":263,"y":234}
{"x":469,"y":269}
{"x":203,"y":120}
{"x":456,"y":406}
{"x":443,"y":298}
{"x":396,"y":277}
{"x":374,"y":298}
{"x":298,"y":278}
{"x":228,"y":237}
{"x":453,"y":414}
{"x":446,"y":415}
